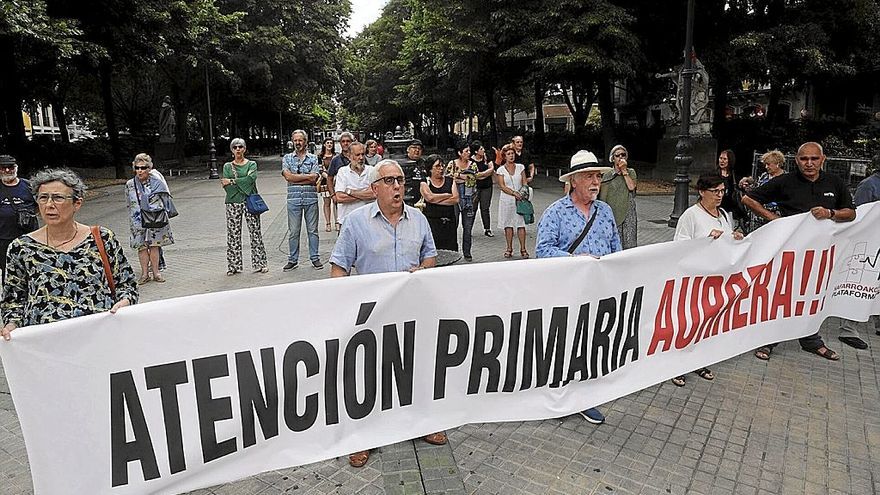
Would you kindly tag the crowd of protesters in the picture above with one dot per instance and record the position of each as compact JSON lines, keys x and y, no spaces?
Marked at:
{"x":362,"y":197}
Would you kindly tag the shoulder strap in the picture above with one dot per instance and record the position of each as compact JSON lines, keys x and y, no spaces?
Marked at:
{"x":99,"y":241}
{"x":580,"y":238}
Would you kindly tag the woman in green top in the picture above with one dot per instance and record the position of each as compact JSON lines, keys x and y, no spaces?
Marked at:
{"x":239,"y":179}
{"x":619,"y":191}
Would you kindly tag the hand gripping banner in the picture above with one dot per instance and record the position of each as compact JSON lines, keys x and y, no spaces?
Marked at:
{"x":180,"y":394}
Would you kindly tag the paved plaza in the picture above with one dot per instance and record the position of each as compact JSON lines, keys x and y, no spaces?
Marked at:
{"x":797,"y":424}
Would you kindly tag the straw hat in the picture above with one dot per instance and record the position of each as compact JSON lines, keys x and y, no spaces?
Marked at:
{"x":583,"y":161}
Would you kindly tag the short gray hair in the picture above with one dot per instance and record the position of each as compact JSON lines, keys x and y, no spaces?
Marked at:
{"x":235,"y":142}
{"x":62,"y":175}
{"x":346,"y":134}
{"x":142,"y":158}
{"x":374,"y":172}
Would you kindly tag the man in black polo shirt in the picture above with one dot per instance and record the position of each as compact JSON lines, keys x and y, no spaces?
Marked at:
{"x":809,"y":189}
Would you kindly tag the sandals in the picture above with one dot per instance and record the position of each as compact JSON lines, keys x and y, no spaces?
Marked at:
{"x":358,"y":459}
{"x":144,"y":279}
{"x":524,"y":254}
{"x":328,"y":228}
{"x":827,"y":353}
{"x":706,"y":374}
{"x":159,"y":278}
{"x":678,"y":381}
{"x":508,"y":253}
{"x":763,"y":353}
{"x":438,"y":438}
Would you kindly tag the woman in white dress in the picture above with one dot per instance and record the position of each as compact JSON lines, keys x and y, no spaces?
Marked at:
{"x":511,"y":177}
{"x":706,"y":218}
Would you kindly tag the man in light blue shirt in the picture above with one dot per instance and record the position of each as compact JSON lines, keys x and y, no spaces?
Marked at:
{"x":300,"y":169}
{"x":579,"y":224}
{"x":384,"y":236}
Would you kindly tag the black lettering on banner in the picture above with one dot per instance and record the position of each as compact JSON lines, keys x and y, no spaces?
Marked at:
{"x":483,"y":358}
{"x":366,"y":339}
{"x":631,"y":343}
{"x":253,"y":399}
{"x":397,"y":364}
{"x":535,"y":349}
{"x":331,"y":381}
{"x":166,"y":377}
{"x":124,"y":396}
{"x":618,"y":335}
{"x":212,"y":410}
{"x":445,"y":358}
{"x":578,"y":362}
{"x":299,"y":352}
{"x":510,"y":371}
{"x":605,"y":316}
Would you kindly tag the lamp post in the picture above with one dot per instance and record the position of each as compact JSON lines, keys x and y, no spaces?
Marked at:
{"x":281,"y":132}
{"x":683,"y":158}
{"x":212,"y":151}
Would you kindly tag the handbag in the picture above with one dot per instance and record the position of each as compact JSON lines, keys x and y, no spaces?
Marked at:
{"x":253,"y":203}
{"x":150,"y":219}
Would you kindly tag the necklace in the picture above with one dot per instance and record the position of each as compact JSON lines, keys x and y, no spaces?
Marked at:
{"x":716,"y":216}
{"x":75,"y":232}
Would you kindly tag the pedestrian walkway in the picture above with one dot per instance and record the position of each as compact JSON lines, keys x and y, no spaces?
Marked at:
{"x":796,"y":424}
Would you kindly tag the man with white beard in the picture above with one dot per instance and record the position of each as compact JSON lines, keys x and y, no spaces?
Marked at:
{"x":17,"y":207}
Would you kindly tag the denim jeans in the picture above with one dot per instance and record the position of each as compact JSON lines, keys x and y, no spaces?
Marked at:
{"x":466,"y":207}
{"x":295,"y":216}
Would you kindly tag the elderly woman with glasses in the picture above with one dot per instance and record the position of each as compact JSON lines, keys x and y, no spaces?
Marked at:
{"x":618,"y":189}
{"x":706,"y":218}
{"x":148,"y":192}
{"x":63,"y":270}
{"x":239,"y":179}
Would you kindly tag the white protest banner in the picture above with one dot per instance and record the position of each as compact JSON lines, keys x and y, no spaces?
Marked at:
{"x":185,"y":393}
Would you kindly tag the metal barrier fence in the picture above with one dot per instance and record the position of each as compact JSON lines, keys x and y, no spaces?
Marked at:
{"x":851,"y":170}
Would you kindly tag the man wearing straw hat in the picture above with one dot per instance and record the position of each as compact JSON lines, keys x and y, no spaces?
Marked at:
{"x":578,"y":224}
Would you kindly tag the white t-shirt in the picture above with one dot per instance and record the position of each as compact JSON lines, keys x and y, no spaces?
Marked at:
{"x":696,"y":222}
{"x":347,"y":178}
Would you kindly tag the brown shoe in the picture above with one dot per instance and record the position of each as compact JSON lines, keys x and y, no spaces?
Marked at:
{"x":438,"y":438}
{"x":358,"y":459}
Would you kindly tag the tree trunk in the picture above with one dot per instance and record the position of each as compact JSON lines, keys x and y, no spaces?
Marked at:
{"x":539,"y":115}
{"x":490,"y":111}
{"x":106,"y":71}
{"x":771,"y":117}
{"x":606,"y":108}
{"x":11,"y":98}
{"x":719,"y":112}
{"x":60,"y":118}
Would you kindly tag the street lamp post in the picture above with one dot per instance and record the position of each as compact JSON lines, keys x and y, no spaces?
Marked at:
{"x":212,"y":151}
{"x":683,"y":158}
{"x":281,"y":132}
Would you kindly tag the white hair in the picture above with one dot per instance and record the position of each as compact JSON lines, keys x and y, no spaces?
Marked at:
{"x":301,"y":132}
{"x":374,"y":172}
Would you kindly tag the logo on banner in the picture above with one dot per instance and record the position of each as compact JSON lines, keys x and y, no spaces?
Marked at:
{"x":862,"y":273}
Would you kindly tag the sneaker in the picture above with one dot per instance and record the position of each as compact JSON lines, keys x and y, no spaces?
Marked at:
{"x":489,"y":233}
{"x":468,"y":257}
{"x":290,"y":266}
{"x":593,"y":416}
{"x":317,"y":264}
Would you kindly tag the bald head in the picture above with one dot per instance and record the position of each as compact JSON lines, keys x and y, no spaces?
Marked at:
{"x":810,"y":159}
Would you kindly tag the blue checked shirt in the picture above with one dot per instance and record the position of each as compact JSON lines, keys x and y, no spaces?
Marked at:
{"x":562,"y":223}
{"x":301,"y":194}
{"x":370,"y":244}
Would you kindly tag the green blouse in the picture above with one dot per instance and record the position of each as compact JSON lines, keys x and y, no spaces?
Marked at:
{"x":245,"y":183}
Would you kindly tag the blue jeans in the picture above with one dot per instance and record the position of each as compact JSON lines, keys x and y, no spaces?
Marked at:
{"x":295,"y":215}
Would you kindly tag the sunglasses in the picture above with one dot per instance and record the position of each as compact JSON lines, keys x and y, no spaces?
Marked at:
{"x":391,"y":179}
{"x":141,"y":168}
{"x":238,"y":147}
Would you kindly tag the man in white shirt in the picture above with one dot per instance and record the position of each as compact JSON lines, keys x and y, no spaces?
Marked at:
{"x":353,"y":183}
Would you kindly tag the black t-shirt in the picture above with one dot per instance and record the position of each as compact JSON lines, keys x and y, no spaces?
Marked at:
{"x":525,"y":158}
{"x":12,"y":200}
{"x":795,"y":194}
{"x":482,"y":167}
{"x":336,"y":163}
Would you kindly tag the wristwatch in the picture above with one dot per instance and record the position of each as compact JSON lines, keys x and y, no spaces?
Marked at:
{"x":830,"y":213}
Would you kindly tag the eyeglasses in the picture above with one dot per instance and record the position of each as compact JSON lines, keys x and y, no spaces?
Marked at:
{"x":7,"y":167}
{"x":720,"y":190}
{"x":238,"y":147}
{"x":141,"y":168}
{"x":620,"y":155}
{"x":391,"y":179}
{"x":56,"y":198}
